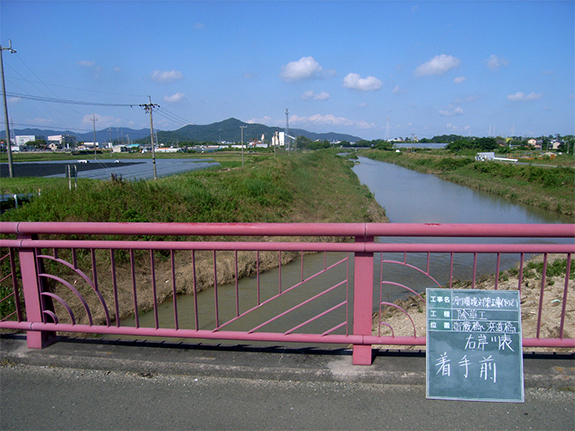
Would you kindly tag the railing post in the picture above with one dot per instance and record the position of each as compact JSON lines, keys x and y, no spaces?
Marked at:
{"x":362,"y":302}
{"x":32,"y":299}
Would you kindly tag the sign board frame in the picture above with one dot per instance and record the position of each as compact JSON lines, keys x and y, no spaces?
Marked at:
{"x":474,"y":345}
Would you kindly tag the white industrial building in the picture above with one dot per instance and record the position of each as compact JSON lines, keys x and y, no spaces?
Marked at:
{"x":62,"y":140}
{"x":24,"y":139}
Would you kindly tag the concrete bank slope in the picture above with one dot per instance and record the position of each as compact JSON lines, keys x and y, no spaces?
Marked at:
{"x":249,"y":361}
{"x":86,"y":384}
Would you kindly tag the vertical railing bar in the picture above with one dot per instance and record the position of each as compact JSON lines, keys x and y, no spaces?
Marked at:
{"x":74,"y":258}
{"x":564,"y":305}
{"x":404,"y":257}
{"x":174,"y":289}
{"x":196,"y":317}
{"x":520,"y":281}
{"x":55,"y":253}
{"x":133,"y":270}
{"x":543,"y":281}
{"x":217,"y":315}
{"x":94,"y":272}
{"x":237,"y":285}
{"x":115,"y":287}
{"x":301,"y":267}
{"x":258,"y":277}
{"x":497,"y":270}
{"x":280,"y":271}
{"x":474,"y":270}
{"x":324,"y":260}
{"x":451,"y":271}
{"x":380,"y":293}
{"x":346,"y":295}
{"x":428,"y":262}
{"x":15,"y":284}
{"x":154,"y":288}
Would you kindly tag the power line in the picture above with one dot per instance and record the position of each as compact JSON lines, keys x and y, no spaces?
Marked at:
{"x":71,"y":102}
{"x":173,"y":117}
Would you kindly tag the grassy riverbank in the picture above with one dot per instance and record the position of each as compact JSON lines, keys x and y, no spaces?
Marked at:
{"x":311,"y":187}
{"x":548,"y":187}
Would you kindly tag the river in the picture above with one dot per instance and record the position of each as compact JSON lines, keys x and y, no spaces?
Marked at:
{"x":408,"y":197}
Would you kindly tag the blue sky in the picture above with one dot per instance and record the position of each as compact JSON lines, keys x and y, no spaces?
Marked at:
{"x":465,"y":67}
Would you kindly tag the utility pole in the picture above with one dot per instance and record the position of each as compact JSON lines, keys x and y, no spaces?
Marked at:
{"x":8,"y":142}
{"x":243,"y":127}
{"x":287,"y":142}
{"x":94,"y":119}
{"x":149,"y":107}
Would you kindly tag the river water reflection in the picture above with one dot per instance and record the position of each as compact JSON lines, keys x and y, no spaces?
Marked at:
{"x":412,"y":197}
{"x":408,"y":197}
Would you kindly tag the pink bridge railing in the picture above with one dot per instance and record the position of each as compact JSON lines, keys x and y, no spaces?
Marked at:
{"x":275,"y":282}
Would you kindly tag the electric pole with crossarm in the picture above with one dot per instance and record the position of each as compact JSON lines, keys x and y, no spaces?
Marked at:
{"x":149,"y":107}
{"x":8,"y":142}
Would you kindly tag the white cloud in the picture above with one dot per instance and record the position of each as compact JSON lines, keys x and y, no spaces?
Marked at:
{"x":494,"y":63}
{"x":469,"y":99}
{"x":460,"y":79}
{"x":451,"y":112}
{"x":86,"y":63}
{"x":453,"y":128}
{"x":265,"y":120}
{"x":398,"y":90}
{"x":102,"y":121}
{"x":311,"y":95}
{"x":520,"y":97}
{"x":438,"y":65}
{"x":174,"y":98}
{"x":355,"y":82}
{"x":304,"y":68}
{"x":167,"y":76}
{"x":329,"y":120}
{"x":40,"y":121}
{"x":91,"y":65}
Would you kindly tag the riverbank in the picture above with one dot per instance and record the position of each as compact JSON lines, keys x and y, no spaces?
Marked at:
{"x":550,"y":188}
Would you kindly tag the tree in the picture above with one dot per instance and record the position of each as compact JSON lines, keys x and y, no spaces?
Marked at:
{"x":302,"y":142}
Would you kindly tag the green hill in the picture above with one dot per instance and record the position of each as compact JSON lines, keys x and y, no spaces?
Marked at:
{"x":229,"y":131}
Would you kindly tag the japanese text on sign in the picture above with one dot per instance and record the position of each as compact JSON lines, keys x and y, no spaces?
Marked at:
{"x":474,"y":349}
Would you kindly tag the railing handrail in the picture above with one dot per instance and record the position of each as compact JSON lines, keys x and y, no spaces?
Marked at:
{"x":353,"y":247}
{"x":41,"y":321}
{"x":295,"y":229}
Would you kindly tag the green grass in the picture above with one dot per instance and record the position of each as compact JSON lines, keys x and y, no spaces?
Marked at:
{"x":312,"y":187}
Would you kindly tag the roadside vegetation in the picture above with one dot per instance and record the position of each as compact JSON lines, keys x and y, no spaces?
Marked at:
{"x":547,"y":183}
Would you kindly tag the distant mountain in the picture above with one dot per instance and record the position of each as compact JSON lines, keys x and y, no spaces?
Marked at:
{"x":105,"y":135}
{"x":223,"y":131}
{"x":229,"y":131}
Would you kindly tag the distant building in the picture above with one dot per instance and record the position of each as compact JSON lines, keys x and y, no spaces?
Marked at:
{"x":481,"y":157}
{"x":62,"y":141}
{"x":119,"y":149}
{"x":22,"y":140}
{"x":278,"y":139}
